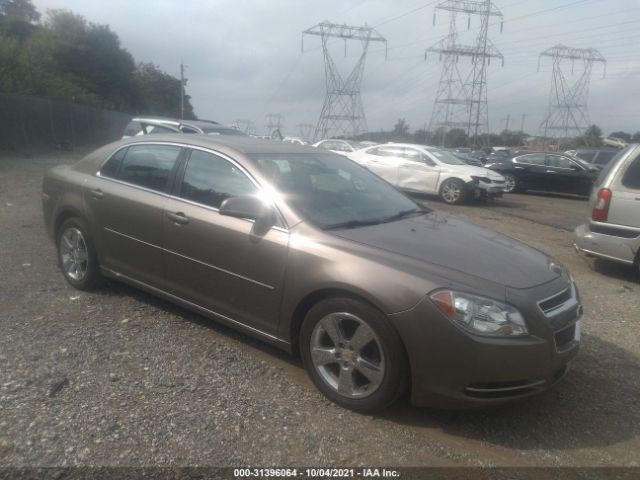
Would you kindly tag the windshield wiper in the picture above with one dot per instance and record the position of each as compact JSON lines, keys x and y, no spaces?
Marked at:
{"x":404,"y":213}
{"x":375,"y":221}
{"x":354,"y":223}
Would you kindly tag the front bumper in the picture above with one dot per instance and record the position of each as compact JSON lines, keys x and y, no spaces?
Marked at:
{"x":453,"y":369}
{"x":483,"y":189}
{"x":610,"y":247}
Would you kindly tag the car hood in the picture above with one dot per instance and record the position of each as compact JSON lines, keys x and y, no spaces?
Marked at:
{"x":472,"y":171}
{"x":452,"y":243}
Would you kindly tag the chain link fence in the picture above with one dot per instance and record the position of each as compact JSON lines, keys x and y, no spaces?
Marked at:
{"x":37,"y":122}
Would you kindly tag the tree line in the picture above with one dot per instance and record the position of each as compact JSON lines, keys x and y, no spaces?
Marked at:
{"x":62,"y":56}
{"x":457,"y":137}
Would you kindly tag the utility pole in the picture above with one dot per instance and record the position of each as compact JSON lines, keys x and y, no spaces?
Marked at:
{"x":567,"y":116}
{"x":342,"y":112}
{"x":461,"y":98}
{"x":182,"y":68}
{"x":506,"y":127}
{"x":524,"y":115}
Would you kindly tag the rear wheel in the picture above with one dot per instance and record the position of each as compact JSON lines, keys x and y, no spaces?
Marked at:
{"x":452,"y":191}
{"x":76,"y":255}
{"x":353,"y":355}
{"x":512,"y":184}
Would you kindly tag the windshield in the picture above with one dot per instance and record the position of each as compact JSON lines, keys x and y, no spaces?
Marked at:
{"x":332,"y":191}
{"x":446,"y":157}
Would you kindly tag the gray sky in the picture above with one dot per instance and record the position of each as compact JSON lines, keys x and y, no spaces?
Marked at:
{"x":244,"y":57}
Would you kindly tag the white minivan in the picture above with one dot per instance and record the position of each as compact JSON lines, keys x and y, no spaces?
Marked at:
{"x":613,"y":230}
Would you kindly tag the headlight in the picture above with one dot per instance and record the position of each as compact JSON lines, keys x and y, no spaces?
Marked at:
{"x":480,"y":315}
{"x":482,"y":179}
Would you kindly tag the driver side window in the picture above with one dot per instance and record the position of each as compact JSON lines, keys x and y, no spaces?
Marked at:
{"x":210,"y":179}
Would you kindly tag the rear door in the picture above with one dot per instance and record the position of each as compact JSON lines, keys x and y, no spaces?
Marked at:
{"x":531,"y":169}
{"x":625,"y":201}
{"x":216,"y":261}
{"x":125,"y":203}
{"x":567,"y":176}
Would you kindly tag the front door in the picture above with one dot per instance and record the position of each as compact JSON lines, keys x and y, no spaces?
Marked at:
{"x":216,"y":261}
{"x":567,"y":176}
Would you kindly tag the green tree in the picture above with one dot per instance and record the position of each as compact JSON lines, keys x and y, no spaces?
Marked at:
{"x":160,"y":92}
{"x":622,"y":135}
{"x":18,"y":18}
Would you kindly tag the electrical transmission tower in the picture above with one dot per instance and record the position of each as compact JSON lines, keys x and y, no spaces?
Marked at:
{"x":306,"y":130}
{"x":567,"y":116}
{"x":461,"y":98}
{"x":342,"y":112}
{"x":244,"y":125}
{"x":273,"y":123}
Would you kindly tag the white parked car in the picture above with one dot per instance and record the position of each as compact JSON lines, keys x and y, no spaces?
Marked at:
{"x":343,"y":147}
{"x":419,"y":168}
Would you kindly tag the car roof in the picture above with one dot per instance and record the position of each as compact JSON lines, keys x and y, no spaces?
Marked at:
{"x":241,"y":144}
{"x":174,"y":121}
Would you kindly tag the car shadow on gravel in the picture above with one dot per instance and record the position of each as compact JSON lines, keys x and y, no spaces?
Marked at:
{"x":615,"y":270}
{"x":118,"y":289}
{"x":597,"y":404}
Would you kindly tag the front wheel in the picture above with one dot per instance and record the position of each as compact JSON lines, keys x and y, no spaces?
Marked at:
{"x":452,"y":191}
{"x":353,"y":355}
{"x":76,"y":255}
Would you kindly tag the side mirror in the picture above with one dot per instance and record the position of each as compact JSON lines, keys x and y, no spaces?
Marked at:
{"x":251,"y":208}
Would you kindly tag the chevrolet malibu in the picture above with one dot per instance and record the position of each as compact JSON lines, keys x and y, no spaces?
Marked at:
{"x":313,"y":253}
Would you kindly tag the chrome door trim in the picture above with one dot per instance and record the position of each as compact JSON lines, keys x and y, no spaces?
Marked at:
{"x":194,"y":305}
{"x":270,"y":287}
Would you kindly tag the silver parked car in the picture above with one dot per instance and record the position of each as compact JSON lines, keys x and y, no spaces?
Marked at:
{"x":155,"y":125}
{"x":613,"y":231}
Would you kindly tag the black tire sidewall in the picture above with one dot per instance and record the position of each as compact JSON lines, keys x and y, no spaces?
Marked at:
{"x":396,"y":366}
{"x":92,"y":279}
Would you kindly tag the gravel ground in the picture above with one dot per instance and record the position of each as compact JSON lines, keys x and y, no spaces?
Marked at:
{"x":118,"y":377}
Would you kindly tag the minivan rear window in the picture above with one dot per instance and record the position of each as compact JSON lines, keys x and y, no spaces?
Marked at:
{"x":631,"y":177}
{"x":605,"y":171}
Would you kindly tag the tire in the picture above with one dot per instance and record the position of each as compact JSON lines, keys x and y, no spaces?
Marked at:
{"x":353,"y":354}
{"x":77,"y":256}
{"x":453,"y":192}
{"x":513,"y":184}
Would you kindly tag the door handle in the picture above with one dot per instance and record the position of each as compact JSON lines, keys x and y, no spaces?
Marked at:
{"x":96,"y":193}
{"x":178,"y":217}
{"x":550,"y":171}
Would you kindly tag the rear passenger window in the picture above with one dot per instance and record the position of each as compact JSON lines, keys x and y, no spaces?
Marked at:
{"x":110,"y":168}
{"x":531,"y":159}
{"x":631,"y":177}
{"x":209,"y":180}
{"x":148,"y":166}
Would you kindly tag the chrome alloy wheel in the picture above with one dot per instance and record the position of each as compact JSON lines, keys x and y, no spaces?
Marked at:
{"x":510,"y":183}
{"x":73,"y":254}
{"x":451,"y":192}
{"x":347,"y":355}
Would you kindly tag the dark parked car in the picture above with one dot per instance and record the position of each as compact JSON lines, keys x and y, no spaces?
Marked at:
{"x":595,"y":156}
{"x":551,"y":172}
{"x":313,"y":253}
